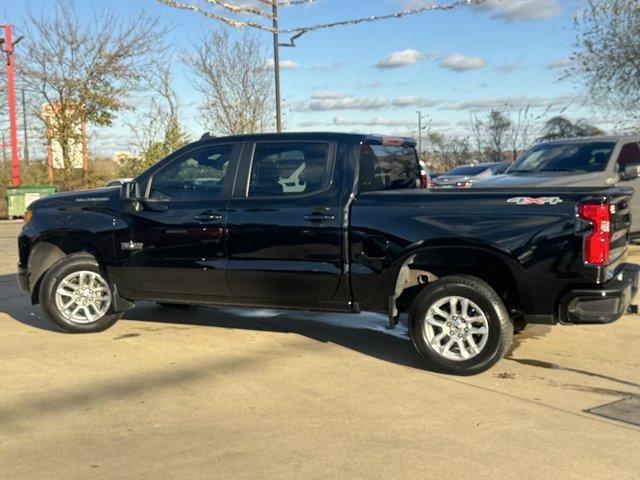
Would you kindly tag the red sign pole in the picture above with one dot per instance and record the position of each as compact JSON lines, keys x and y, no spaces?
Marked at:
{"x":11,"y":91}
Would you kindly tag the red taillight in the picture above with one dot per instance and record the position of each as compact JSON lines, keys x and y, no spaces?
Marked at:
{"x":393,"y":141}
{"x":596,"y":244}
{"x":424,"y":179}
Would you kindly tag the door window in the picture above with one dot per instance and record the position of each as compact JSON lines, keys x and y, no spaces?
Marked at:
{"x":630,"y":153}
{"x":294,"y":168}
{"x":197,"y":175}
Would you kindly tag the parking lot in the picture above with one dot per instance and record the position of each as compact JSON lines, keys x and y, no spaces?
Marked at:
{"x":233,"y":393}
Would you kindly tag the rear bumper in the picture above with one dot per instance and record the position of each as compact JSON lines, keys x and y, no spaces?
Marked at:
{"x":602,"y":305}
{"x":23,"y":278}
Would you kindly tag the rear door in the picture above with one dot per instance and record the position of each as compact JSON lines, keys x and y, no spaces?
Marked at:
{"x":284,"y":225}
{"x":175,"y":245}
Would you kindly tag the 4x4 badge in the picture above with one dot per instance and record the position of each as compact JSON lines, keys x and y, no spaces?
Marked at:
{"x":535,"y":200}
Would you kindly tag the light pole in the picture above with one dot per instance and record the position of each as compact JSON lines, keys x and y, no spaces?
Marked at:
{"x":419,"y":133}
{"x":7,"y":47}
{"x":276,"y":66}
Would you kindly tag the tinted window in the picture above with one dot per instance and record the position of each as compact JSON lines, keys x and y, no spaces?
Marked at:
{"x":467,"y":170}
{"x":198,"y":174}
{"x":630,"y":153}
{"x":293,"y":168}
{"x":587,"y":157}
{"x":384,"y":167}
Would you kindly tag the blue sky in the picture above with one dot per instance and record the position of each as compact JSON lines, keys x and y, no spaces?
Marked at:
{"x":375,"y":76}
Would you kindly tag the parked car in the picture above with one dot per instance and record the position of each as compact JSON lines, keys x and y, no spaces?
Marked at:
{"x":579,"y":162}
{"x":332,"y":222}
{"x":117,"y":182}
{"x":464,"y":176}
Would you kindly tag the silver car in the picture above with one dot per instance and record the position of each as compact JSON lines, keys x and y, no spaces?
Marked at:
{"x":578,"y":162}
{"x":465,"y":176}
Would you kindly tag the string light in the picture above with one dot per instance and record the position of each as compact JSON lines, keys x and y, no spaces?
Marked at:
{"x":375,"y":18}
{"x":214,"y":16}
{"x":302,"y":30}
{"x":236,"y":9}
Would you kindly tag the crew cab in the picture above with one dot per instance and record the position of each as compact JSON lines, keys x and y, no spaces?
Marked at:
{"x":332,"y":222}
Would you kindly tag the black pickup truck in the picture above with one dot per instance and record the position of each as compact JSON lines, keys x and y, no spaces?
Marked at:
{"x":332,"y":222}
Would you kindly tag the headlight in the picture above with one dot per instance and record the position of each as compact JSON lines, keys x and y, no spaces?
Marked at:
{"x":466,"y":184}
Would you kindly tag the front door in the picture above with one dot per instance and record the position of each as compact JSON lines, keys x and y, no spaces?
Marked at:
{"x":284,"y":225}
{"x":176,"y":241}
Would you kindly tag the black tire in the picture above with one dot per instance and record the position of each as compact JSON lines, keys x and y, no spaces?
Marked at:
{"x":175,"y":306}
{"x":51,"y":280}
{"x":500,"y":328}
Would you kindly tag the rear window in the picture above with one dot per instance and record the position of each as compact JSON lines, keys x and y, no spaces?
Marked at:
{"x":467,"y":170}
{"x":386,"y":167}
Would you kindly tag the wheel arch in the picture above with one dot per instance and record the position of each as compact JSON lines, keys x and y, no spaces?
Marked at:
{"x":48,"y":250}
{"x":428,"y":263}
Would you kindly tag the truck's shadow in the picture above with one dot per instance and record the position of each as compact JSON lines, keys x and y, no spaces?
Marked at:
{"x":365,"y":333}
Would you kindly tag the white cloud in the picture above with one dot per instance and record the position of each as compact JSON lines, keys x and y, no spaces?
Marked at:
{"x":399,"y":59}
{"x":460,"y":63}
{"x":375,"y":122}
{"x":324,"y":67}
{"x":346,"y":103}
{"x":559,"y":64}
{"x":507,"y":10}
{"x":327,"y":95}
{"x":284,"y":65}
{"x":323,"y":101}
{"x":509,"y":68}
{"x":412,"y":101}
{"x":515,"y":102}
{"x":383,"y":122}
{"x":521,"y":10}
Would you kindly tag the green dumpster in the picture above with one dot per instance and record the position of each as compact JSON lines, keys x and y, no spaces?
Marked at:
{"x":19,"y":198}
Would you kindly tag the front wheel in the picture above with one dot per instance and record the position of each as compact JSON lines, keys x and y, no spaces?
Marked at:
{"x":460,"y":326}
{"x":76,"y":296}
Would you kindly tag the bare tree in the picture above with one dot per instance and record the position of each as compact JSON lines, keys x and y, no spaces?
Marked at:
{"x":496,"y":130}
{"x":520,"y":130}
{"x":477,"y":134}
{"x":607,"y":52}
{"x":157,"y":129}
{"x":446,"y":152}
{"x":83,"y":69}
{"x":233,"y":77}
{"x":561,"y":127}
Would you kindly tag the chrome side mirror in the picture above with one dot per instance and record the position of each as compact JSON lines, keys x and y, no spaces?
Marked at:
{"x":631,"y":171}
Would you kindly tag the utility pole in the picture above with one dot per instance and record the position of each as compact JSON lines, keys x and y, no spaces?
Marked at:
{"x":25,"y":155}
{"x":419,"y":133}
{"x":276,"y":66}
{"x":7,"y":47}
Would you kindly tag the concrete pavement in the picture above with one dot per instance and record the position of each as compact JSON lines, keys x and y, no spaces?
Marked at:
{"x":233,"y":393}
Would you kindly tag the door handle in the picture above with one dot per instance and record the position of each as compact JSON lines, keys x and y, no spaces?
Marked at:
{"x":319,"y":217}
{"x":208,"y":216}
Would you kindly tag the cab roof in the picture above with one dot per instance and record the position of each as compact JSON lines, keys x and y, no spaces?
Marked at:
{"x":331,"y":136}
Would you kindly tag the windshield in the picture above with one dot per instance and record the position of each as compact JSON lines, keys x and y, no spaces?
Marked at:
{"x":569,"y":157}
{"x":467,"y":170}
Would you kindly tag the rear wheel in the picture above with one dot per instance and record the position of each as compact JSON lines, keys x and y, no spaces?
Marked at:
{"x":460,"y":326}
{"x":75,"y":295}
